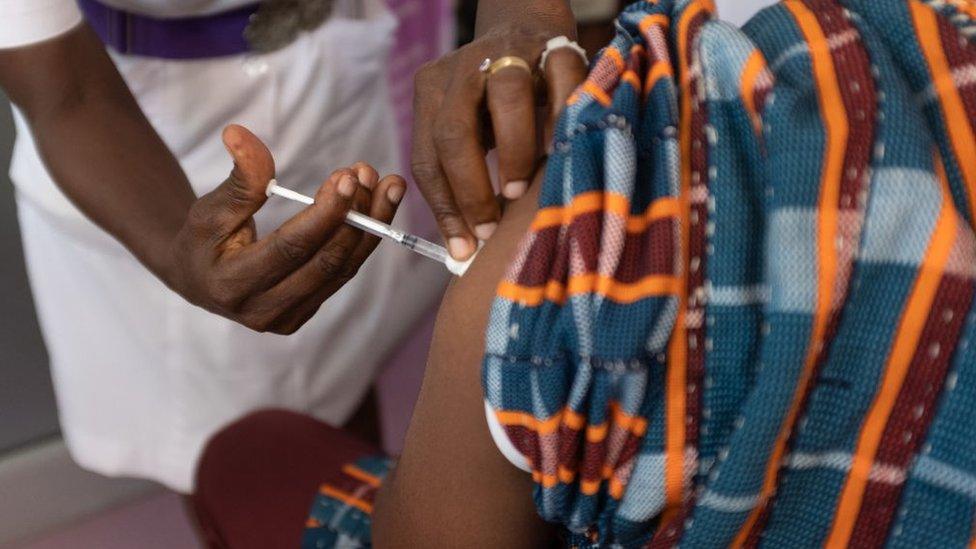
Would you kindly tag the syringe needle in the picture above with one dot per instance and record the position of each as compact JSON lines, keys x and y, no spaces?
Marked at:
{"x":376,"y":227}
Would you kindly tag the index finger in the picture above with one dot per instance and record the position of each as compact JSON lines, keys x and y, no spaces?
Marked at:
{"x":511,"y":101}
{"x":291,"y":245}
{"x":462,"y":156}
{"x":428,"y":174}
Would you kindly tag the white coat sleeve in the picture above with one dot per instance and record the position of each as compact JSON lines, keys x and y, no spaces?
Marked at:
{"x":25,"y":22}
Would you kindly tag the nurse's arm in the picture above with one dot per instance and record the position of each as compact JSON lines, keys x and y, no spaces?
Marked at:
{"x":452,"y":487}
{"x":97,"y":144}
{"x":108,"y":160}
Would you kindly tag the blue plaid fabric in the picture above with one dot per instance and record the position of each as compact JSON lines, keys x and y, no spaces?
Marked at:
{"x":782,"y":361}
{"x":340,"y":514}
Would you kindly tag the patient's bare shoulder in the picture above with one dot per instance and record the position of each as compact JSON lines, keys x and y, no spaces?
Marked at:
{"x":452,"y":486}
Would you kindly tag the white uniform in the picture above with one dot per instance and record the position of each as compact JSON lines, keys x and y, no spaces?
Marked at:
{"x":143,"y":378}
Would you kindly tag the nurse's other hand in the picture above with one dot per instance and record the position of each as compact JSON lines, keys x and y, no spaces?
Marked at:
{"x":277,"y":283}
{"x":457,"y":106}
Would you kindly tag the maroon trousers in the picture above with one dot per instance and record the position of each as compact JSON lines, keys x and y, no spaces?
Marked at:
{"x":258,"y":476}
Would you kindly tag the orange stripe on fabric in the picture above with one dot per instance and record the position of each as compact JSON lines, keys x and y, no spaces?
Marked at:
{"x":966,"y":6}
{"x":660,"y":209}
{"x":596,"y":433}
{"x":594,"y":201}
{"x":835,"y":122}
{"x":633,"y":424}
{"x":659,"y":70}
{"x":616,"y":488}
{"x":587,"y":487}
{"x":609,"y":287}
{"x":677,"y":375}
{"x":362,"y":476}
{"x":902,"y":353}
{"x":631,"y":78}
{"x":346,"y":498}
{"x":546,"y":481}
{"x":597,"y":92}
{"x":619,"y":292}
{"x":531,"y":296}
{"x":953,"y":111}
{"x":590,"y":487}
{"x":654,"y":19}
{"x":636,"y":425}
{"x":614,"y":55}
{"x":754,"y":67}
{"x":565,"y":417}
{"x":573,"y":420}
{"x":529,"y":421}
{"x":566,"y":475}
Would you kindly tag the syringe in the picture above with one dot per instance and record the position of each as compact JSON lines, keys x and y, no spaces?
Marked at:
{"x":419,"y":245}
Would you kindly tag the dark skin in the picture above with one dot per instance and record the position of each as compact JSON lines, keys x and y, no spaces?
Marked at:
{"x":109,"y":161}
{"x":460,"y":112}
{"x":452,"y":487}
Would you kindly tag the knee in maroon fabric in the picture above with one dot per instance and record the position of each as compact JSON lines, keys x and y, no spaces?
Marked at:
{"x":257,"y":477}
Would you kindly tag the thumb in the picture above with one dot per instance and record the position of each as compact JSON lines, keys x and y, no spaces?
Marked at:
{"x":242,"y":194}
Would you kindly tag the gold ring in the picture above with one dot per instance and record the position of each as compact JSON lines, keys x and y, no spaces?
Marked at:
{"x":504,"y":63}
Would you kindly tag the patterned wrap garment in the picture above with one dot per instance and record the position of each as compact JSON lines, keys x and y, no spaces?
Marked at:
{"x":743,"y":312}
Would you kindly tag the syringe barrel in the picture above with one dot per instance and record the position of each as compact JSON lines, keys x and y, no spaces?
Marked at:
{"x":425,"y":248}
{"x":373,"y":226}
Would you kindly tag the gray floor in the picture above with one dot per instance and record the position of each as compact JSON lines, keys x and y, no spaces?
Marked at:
{"x":27,"y":411}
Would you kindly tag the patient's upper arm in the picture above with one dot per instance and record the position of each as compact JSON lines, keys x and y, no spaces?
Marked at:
{"x":452,"y":487}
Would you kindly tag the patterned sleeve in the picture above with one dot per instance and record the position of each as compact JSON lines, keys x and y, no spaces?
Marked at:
{"x":744,"y":311}
{"x":578,"y":332}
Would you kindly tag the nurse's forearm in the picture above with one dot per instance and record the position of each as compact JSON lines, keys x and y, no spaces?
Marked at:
{"x":107,"y":158}
{"x":97,"y":143}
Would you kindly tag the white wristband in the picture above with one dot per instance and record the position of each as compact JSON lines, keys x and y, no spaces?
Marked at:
{"x":560,"y":42}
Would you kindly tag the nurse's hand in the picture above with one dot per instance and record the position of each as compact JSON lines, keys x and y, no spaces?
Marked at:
{"x":277,"y":283}
{"x":460,"y":113}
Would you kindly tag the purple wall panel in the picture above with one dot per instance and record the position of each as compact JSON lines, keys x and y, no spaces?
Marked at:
{"x":425,"y":32}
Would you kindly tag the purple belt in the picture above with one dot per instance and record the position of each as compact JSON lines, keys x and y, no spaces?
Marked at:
{"x":216,"y":35}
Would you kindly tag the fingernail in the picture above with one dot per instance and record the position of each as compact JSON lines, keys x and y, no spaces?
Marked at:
{"x":515,"y":189}
{"x":485,"y":230}
{"x":346,"y":186}
{"x":364,"y":179}
{"x":459,"y":247}
{"x":395,"y":194}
